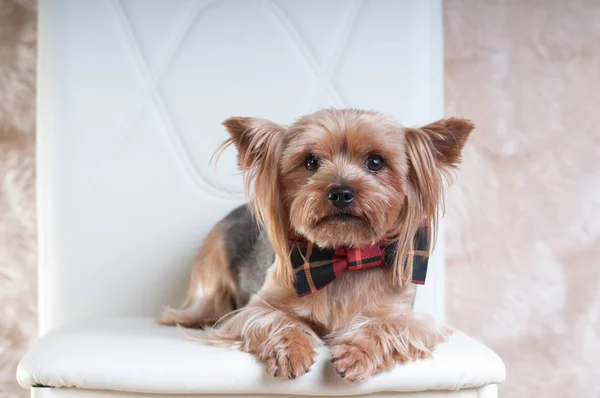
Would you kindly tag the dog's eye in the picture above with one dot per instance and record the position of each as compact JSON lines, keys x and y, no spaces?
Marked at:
{"x":311,"y":163}
{"x":374,"y":163}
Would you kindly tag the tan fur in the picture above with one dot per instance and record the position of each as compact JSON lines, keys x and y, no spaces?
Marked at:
{"x":375,"y":318}
{"x":212,"y":290}
{"x":365,"y":317}
{"x":288,"y":202}
{"x":284,"y":344}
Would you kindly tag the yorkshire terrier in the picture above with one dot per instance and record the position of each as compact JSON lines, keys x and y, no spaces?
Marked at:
{"x":342,"y":215}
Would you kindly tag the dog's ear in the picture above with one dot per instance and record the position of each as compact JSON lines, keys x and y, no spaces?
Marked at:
{"x":259,"y":144}
{"x":446,"y":137}
{"x":432,"y":151}
{"x":253,"y":138}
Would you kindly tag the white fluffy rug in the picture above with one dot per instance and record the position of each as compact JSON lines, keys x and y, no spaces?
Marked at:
{"x":524,"y":214}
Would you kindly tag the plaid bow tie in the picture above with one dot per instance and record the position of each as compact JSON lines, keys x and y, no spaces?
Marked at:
{"x":316,"y":267}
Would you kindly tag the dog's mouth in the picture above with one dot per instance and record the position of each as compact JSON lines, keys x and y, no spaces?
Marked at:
{"x":340,"y":218}
{"x":339,"y":228}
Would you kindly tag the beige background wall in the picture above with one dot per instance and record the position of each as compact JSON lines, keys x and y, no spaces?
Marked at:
{"x":524,"y":214}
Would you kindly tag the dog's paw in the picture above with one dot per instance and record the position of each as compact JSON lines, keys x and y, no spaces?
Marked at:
{"x":354,"y":362}
{"x":419,"y":340}
{"x":379,"y":344}
{"x":289,"y":355}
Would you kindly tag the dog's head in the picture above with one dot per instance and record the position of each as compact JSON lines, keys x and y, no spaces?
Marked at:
{"x":345,"y":177}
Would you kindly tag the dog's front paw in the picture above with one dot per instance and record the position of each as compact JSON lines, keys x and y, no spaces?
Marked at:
{"x":356,"y":362}
{"x":288,"y":354}
{"x":360,"y":352}
{"x":418,"y":337}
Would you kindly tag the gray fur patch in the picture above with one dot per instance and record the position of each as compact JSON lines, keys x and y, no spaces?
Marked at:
{"x":249,"y":251}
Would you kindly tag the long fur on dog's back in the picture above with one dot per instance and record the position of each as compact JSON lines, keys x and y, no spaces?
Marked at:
{"x":230,"y":267}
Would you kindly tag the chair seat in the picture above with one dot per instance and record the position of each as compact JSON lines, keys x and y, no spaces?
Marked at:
{"x":137,"y":355}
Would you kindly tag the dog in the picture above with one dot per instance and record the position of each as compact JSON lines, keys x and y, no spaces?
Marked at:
{"x":338,"y":190}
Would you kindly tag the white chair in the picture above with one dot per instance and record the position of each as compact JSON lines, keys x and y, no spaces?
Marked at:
{"x":131,"y":96}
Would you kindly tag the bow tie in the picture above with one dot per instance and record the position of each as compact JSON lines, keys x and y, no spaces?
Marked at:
{"x":316,"y":267}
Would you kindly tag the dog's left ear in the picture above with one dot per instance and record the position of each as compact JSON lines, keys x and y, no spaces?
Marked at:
{"x":432,"y":151}
{"x":446,"y":138}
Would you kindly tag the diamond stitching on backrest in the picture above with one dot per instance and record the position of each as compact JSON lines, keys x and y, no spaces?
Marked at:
{"x":152,"y":94}
{"x":152,"y":75}
{"x":326,"y":71}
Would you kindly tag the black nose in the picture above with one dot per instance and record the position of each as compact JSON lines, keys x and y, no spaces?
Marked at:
{"x":340,"y":197}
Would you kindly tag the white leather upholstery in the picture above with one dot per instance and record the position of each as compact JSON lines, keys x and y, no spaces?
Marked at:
{"x":137,"y":355}
{"x":131,"y":97}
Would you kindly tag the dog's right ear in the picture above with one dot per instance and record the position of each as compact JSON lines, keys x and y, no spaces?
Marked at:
{"x":259,"y":144}
{"x":254,"y":139}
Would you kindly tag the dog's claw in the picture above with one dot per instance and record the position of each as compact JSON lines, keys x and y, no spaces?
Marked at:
{"x":291,"y":376}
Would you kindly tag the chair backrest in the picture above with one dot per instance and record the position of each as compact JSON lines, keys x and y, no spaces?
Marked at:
{"x":131,"y":96}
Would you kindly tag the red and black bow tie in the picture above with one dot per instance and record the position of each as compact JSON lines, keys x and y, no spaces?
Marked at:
{"x":316,"y":267}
